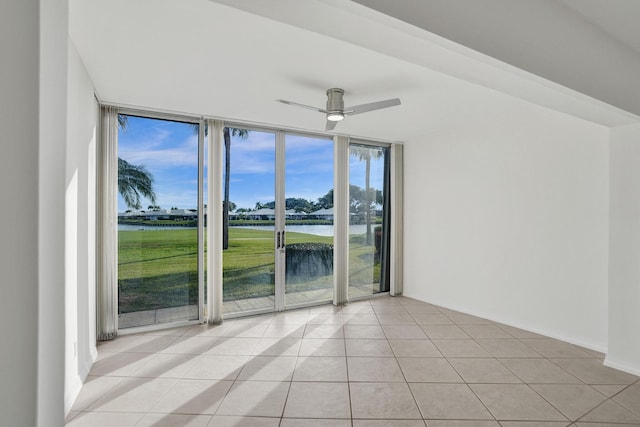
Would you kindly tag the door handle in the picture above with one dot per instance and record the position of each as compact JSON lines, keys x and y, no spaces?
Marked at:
{"x":283,"y":243}
{"x":278,"y":240}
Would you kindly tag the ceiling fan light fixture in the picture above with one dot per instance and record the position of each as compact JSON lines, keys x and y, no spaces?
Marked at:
{"x":335,"y":116}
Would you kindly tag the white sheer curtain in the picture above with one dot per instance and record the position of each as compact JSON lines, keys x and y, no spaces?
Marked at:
{"x":107,"y":224}
{"x":215,"y":306}
{"x":341,"y":221}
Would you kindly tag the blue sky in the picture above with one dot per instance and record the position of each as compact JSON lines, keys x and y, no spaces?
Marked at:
{"x":169,"y":150}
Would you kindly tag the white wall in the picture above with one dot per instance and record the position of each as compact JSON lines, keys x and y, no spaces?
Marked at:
{"x":80,"y":314}
{"x":52,"y":123}
{"x":624,"y":265}
{"x":508,"y":219}
{"x":19,"y":105}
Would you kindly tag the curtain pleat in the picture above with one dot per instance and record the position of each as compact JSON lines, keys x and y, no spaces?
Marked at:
{"x":107,"y":223}
{"x":385,"y":243}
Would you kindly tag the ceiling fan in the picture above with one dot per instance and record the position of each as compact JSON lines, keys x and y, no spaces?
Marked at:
{"x":336,"y":110}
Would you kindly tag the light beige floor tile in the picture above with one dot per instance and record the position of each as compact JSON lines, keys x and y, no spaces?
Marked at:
{"x":388,"y":423}
{"x":421,"y":308}
{"x":448,"y":401}
{"x":119,"y":364}
{"x":594,"y":353}
{"x":284,"y":330}
{"x":382,"y":401}
{"x":363,"y":331}
{"x":460,"y":348}
{"x":499,"y":347}
{"x":431,"y":369}
{"x":136,"y":344}
{"x":596,"y":424}
{"x":414,"y":348}
{"x":323,"y":331}
{"x":255,"y":398}
{"x":517,"y":332}
{"x":174,"y":420}
{"x":301,"y":422}
{"x":484,"y":331}
{"x":466,"y":319}
{"x":193,"y":397}
{"x":277,"y":347}
{"x":291,"y":317}
{"x":432,"y":319}
{"x":212,"y":367}
{"x":444,"y":332}
{"x":630,"y":398}
{"x":235,"y":421}
{"x":133,"y":395}
{"x":234,"y":329}
{"x":227,"y":346}
{"x":539,"y":371}
{"x":360,"y":319}
{"x":461,"y":423}
{"x":321,"y":369}
{"x":190,"y":345}
{"x":268,"y":368}
{"x":374,"y":369}
{"x":609,"y":390}
{"x":359,"y":307}
{"x":573,"y":401}
{"x":166,"y":366}
{"x":535,"y":423}
{"x":322,"y":347}
{"x":105,"y":419}
{"x":483,"y":371}
{"x":396,"y":319}
{"x":552,"y":348}
{"x":611,"y":412}
{"x":404,"y":332}
{"x":592,"y":371}
{"x":318,"y":400}
{"x":92,"y":389}
{"x":324,"y":319}
{"x":515,"y":402}
{"x":390,"y":310}
{"x":368,"y":348}
{"x":171,"y":332}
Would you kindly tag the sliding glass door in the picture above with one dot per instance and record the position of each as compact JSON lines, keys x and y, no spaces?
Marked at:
{"x":308,"y":218}
{"x":249,"y":178}
{"x":280,"y":220}
{"x":158,"y":175}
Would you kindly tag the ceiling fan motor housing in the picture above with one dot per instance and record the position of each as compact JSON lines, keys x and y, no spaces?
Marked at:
{"x":335,"y":103}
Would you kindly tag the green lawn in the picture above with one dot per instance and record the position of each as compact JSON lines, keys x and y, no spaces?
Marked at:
{"x":158,"y":269}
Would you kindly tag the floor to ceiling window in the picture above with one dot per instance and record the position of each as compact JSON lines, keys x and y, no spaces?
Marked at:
{"x":369,"y":220}
{"x":274,"y":235}
{"x":158,"y":278}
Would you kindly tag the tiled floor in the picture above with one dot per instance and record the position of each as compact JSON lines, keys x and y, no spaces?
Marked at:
{"x":384,"y":362}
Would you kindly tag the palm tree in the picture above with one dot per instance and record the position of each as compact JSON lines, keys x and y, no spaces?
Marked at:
{"x":365,"y":154}
{"x":228,"y":133}
{"x":133,"y":180}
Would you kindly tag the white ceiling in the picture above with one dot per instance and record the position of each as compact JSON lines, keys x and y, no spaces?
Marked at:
{"x":203,"y":57}
{"x":590,"y":46}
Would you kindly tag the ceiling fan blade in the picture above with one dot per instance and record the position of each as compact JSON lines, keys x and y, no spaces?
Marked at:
{"x":308,"y":107}
{"x":363,"y":108}
{"x":330,"y":125}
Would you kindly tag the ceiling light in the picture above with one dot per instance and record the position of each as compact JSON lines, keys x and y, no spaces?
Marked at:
{"x":335,"y":116}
